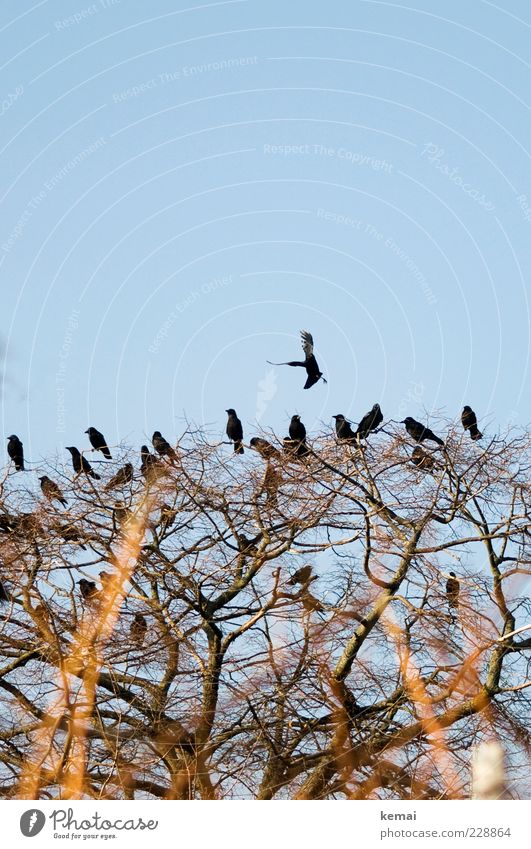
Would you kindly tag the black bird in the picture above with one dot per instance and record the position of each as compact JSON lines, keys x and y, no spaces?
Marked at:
{"x":122,"y":476}
{"x":452,"y":590}
{"x":311,"y":603}
{"x":138,"y":629}
{"x":70,"y":534}
{"x":370,"y":421}
{"x":344,"y":431}
{"x":88,"y":589}
{"x":470,"y":423}
{"x":122,"y":516}
{"x":51,"y":491}
{"x":80,"y":464}
{"x":247,"y":546}
{"x":264,"y":448}
{"x":301,"y":576}
{"x":297,"y":429}
{"x":235,"y":430}
{"x":310,"y":363}
{"x":419,"y":432}
{"x":162,"y":446}
{"x":151,"y":466}
{"x":295,"y":448}
{"x":422,"y":459}
{"x":16,"y":452}
{"x":97,"y":440}
{"x":4,"y":595}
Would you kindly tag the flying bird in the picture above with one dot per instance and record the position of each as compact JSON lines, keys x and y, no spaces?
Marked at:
{"x":301,"y":576}
{"x":122,"y":476}
{"x":470,"y":423}
{"x":370,"y":421}
{"x":235,"y":430}
{"x":310,"y":363}
{"x":296,"y":429}
{"x":97,"y":440}
{"x":80,"y":464}
{"x":16,"y":452}
{"x":419,"y":432}
{"x":162,"y":446}
{"x":344,"y":431}
{"x":452,"y":590}
{"x":51,"y":491}
{"x":422,"y":459}
{"x":88,"y":589}
{"x":138,"y":629}
{"x":264,"y":448}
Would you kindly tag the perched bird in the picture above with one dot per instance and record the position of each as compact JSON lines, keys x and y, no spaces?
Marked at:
{"x":422,"y":459}
{"x":122,"y":476}
{"x":138,"y":629}
{"x":311,"y":603}
{"x":168,"y":514}
{"x":470,"y":423}
{"x":162,"y":446}
{"x":80,"y":464}
{"x":51,"y":491}
{"x":122,"y":515}
{"x":370,"y":421}
{"x":295,"y":448}
{"x":297,"y":429}
{"x":97,"y":440}
{"x":16,"y":452}
{"x":310,"y":363}
{"x":235,"y":430}
{"x":151,"y":466}
{"x":88,"y":589}
{"x":301,"y":576}
{"x":247,"y":546}
{"x":27,"y":525}
{"x":264,"y":447}
{"x":419,"y":432}
{"x":452,"y":590}
{"x":70,"y":534}
{"x":344,"y":431}
{"x":4,"y":595}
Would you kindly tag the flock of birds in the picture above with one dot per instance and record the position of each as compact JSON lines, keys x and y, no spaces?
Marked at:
{"x":294,"y":445}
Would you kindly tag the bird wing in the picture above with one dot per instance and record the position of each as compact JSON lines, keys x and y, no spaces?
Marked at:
{"x":311,"y":380}
{"x":307,"y":343}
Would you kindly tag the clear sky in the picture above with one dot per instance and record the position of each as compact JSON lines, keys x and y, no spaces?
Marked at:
{"x":184,"y":186}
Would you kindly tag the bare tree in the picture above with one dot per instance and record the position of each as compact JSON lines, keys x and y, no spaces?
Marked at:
{"x":208,"y":662}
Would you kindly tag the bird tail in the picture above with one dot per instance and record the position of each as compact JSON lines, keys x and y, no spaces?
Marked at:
{"x":106,"y":453}
{"x":95,"y":476}
{"x":238,"y":448}
{"x":475,"y":434}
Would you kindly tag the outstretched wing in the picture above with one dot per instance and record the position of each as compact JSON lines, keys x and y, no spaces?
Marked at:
{"x":307,"y":343}
{"x":311,"y":380}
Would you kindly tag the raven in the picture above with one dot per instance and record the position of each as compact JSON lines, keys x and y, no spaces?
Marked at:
{"x":295,"y":447}
{"x":16,"y":452}
{"x":264,"y":447}
{"x":122,"y":476}
{"x":151,"y":466}
{"x":310,"y":363}
{"x":97,"y":440}
{"x":87,"y":589}
{"x":344,"y":431}
{"x":452,"y":590}
{"x":419,"y":432}
{"x":301,"y":576}
{"x":470,"y":423}
{"x":422,"y":459}
{"x":69,"y":533}
{"x":80,"y":464}
{"x":370,"y":421}
{"x":138,"y":629}
{"x":297,"y":429}
{"x":235,"y":430}
{"x":51,"y":491}
{"x":162,"y":446}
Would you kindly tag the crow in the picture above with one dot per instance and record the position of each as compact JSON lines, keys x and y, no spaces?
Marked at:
{"x":264,"y":448}
{"x":370,"y":421}
{"x":4,"y":595}
{"x":310,"y":363}
{"x":51,"y":491}
{"x":344,"y":431}
{"x":294,"y":447}
{"x":247,"y":546}
{"x":301,"y":576}
{"x":16,"y":452}
{"x":138,"y":629}
{"x":69,"y":533}
{"x":122,"y":515}
{"x":419,"y":432}
{"x":311,"y":603}
{"x":235,"y":430}
{"x":151,"y":466}
{"x":88,"y":589}
{"x":470,"y":423}
{"x":422,"y":459}
{"x":162,"y":446}
{"x":122,"y":476}
{"x":297,"y":429}
{"x":452,"y":590}
{"x":97,"y":440}
{"x":80,"y":464}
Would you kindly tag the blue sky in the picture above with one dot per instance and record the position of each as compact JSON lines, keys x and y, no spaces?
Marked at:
{"x":185,"y":188}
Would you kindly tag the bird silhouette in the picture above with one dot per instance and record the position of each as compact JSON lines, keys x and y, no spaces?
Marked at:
{"x":138,"y":629}
{"x":97,"y":440}
{"x":16,"y":452}
{"x":88,"y":589}
{"x":296,"y":429}
{"x":122,"y":476}
{"x":235,"y":430}
{"x":69,"y":533}
{"x":344,"y":431}
{"x":301,"y":576}
{"x":370,"y":421}
{"x":80,"y":464}
{"x":162,"y":446}
{"x":264,"y":448}
{"x":470,"y":423}
{"x":452,"y":591}
{"x":51,"y":491}
{"x":310,"y":363}
{"x":151,"y":467}
{"x":420,"y":432}
{"x":295,"y":448}
{"x":422,"y":459}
